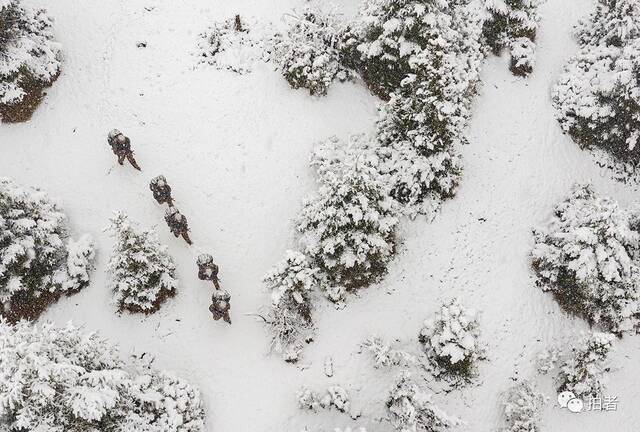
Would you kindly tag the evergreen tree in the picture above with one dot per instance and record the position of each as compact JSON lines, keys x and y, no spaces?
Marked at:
{"x":597,"y":98}
{"x":451,"y":339}
{"x":38,"y":260}
{"x":391,"y":39}
{"x":411,"y":408}
{"x":583,"y":372}
{"x":348,"y":227}
{"x":61,"y":379}
{"x":291,"y":282}
{"x":513,"y":24}
{"x":308,"y":53}
{"x":587,"y":257}
{"x":522,"y":408}
{"x":142,"y":272}
{"x":30,"y":59}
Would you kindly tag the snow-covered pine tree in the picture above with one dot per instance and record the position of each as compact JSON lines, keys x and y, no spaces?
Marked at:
{"x":420,"y":129}
{"x":308,"y":53}
{"x":335,"y":396}
{"x":522,"y":408}
{"x":142,"y":272}
{"x":348,"y":228}
{"x":61,"y":379}
{"x":38,"y":261}
{"x":29,"y":59}
{"x":513,"y":24}
{"x":451,"y":339}
{"x":411,"y":408}
{"x":597,"y":98}
{"x":389,"y":39}
{"x":583,"y":372}
{"x":289,"y":319}
{"x":588,"y":258}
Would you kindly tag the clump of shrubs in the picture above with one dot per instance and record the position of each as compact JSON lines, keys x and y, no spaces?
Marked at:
{"x":451,"y":340}
{"x":522,"y":408}
{"x":587,"y":257}
{"x":39,"y":262}
{"x":583,"y":372}
{"x":597,"y":98}
{"x":235,"y":45}
{"x":335,"y":396}
{"x":411,"y":408}
{"x":289,"y":318}
{"x":513,"y":24}
{"x":142,"y":272}
{"x":308,"y":54}
{"x":30,"y":59}
{"x":64,"y":379}
{"x":385,"y":356}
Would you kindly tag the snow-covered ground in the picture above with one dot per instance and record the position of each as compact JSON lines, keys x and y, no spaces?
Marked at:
{"x":235,"y":150}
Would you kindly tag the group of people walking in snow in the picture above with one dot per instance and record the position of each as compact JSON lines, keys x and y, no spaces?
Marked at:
{"x":178,"y":225}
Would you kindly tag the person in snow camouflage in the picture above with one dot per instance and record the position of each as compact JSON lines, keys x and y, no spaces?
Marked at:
{"x":207,"y":269}
{"x":161,"y":190}
{"x":177,"y":224}
{"x":220,"y":305}
{"x":121,"y":146}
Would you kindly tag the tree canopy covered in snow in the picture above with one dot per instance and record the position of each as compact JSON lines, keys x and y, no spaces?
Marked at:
{"x":583,"y":371}
{"x":62,"y":379}
{"x":597,"y":98}
{"x":411,"y":408}
{"x":38,"y":260}
{"x":29,"y":58}
{"x":451,"y":338}
{"x":141,"y":269}
{"x":513,"y":24}
{"x":522,"y":408}
{"x":291,"y":282}
{"x":348,"y":227}
{"x":308,"y":54}
{"x":588,"y":257}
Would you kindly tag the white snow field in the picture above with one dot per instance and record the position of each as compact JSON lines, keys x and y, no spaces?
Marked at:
{"x":235,"y":150}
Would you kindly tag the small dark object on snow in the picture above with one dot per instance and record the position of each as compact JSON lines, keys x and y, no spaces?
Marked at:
{"x":207,"y":269}
{"x":220,"y":305}
{"x":121,"y":146}
{"x":161,"y":190}
{"x":177,"y":224}
{"x":141,"y":44}
{"x":238,"y":24}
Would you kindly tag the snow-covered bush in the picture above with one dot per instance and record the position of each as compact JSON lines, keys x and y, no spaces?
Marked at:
{"x":142,"y":272}
{"x":291,"y":282}
{"x":587,"y":257}
{"x":522,"y":408}
{"x":29,"y":59}
{"x":235,"y":45}
{"x":390,"y":39}
{"x":420,"y":129}
{"x":419,"y":148}
{"x":411,"y":408}
{"x":348,"y":227}
{"x":61,"y":379}
{"x":38,"y":260}
{"x":335,"y":396}
{"x":583,"y":372}
{"x":384,"y":355}
{"x":308,"y":53}
{"x":546,"y":360}
{"x":513,"y":24}
{"x":451,"y":339}
{"x":522,"y":56}
{"x":597,"y":98}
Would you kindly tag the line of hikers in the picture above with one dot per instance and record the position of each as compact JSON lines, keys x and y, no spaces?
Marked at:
{"x":178,"y":225}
